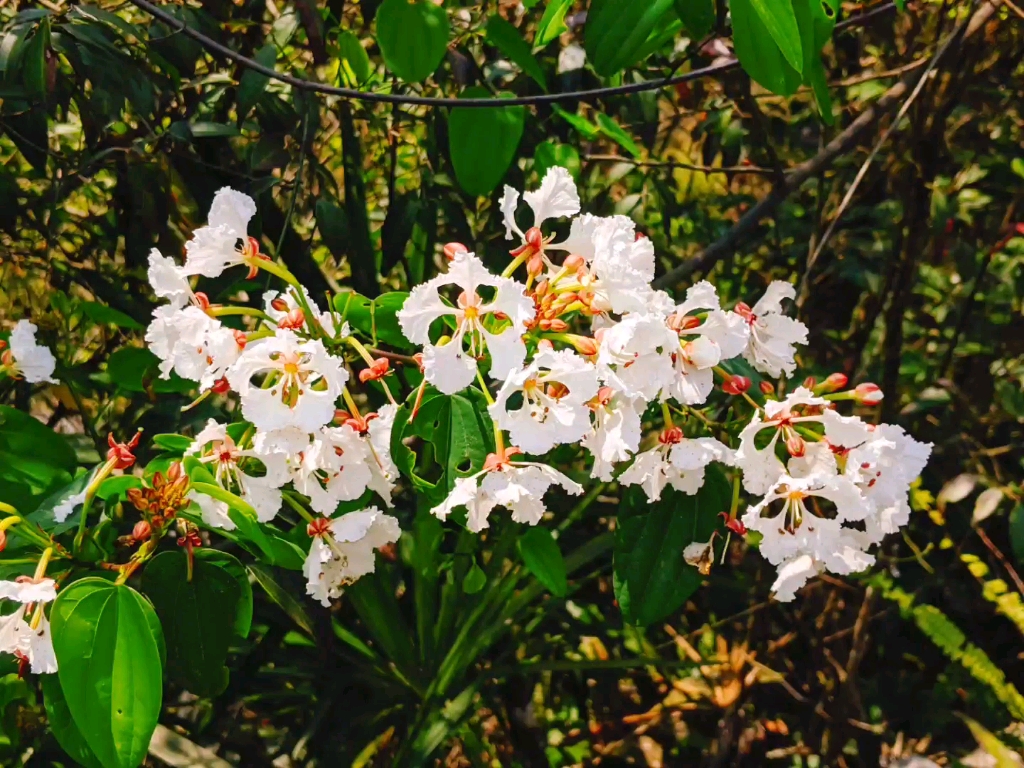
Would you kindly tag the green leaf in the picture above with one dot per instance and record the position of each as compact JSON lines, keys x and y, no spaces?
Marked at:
{"x":483,"y":141}
{"x":587,"y":129}
{"x":614,"y":131}
{"x":332,"y":223}
{"x":474,"y":580}
{"x":104,"y":315}
{"x":552,"y":23}
{"x":378,"y":319}
{"x":172,"y":443}
{"x":264,"y":576}
{"x":209,"y":130}
{"x":548,"y":154}
{"x":355,"y":63}
{"x":779,"y":18}
{"x":108,"y":654}
{"x":758,"y":52}
{"x":1017,"y":532}
{"x":136,"y":369}
{"x":617,"y":30}
{"x":506,"y":38}
{"x":117,"y":486}
{"x":816,"y":19}
{"x":33,"y":64}
{"x":201,"y":616}
{"x":31,"y":451}
{"x":413,"y":37}
{"x":252,"y":84}
{"x":698,"y":16}
{"x":543,"y":558}
{"x":651,"y":578}
{"x":1002,"y":755}
{"x":62,"y":725}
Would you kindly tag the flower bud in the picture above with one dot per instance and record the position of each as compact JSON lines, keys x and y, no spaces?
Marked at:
{"x":766,"y":387}
{"x":671,"y":436}
{"x":559,"y":326}
{"x":585,"y":345}
{"x":203,"y":300}
{"x":3,"y":345}
{"x":545,"y":345}
{"x":453,"y":249}
{"x":868,"y":394}
{"x":796,"y":445}
{"x":736,"y":385}
{"x":142,"y":531}
{"x":279,"y":304}
{"x":810,"y":382}
{"x":3,"y":540}
{"x":378,"y":370}
{"x":541,"y":289}
{"x":221,"y":386}
{"x":174,"y":471}
{"x":294,"y":320}
{"x":240,"y":339}
{"x":534,"y":238}
{"x":834,"y":382}
{"x":535,"y":264}
{"x":318,"y":527}
{"x":573,"y":262}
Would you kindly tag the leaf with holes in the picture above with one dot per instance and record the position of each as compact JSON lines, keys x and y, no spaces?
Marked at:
{"x":108,"y":644}
{"x":483,"y":141}
{"x":201,"y":616}
{"x":413,"y":37}
{"x":616,"y":32}
{"x":651,"y":578}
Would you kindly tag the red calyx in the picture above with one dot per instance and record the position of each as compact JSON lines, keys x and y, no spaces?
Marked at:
{"x":736,"y":385}
{"x":380,"y":368}
{"x":121,"y":453}
{"x":671,"y":436}
{"x":318,"y":527}
{"x":734,"y":524}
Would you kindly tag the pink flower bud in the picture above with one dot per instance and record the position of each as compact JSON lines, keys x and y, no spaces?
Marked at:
{"x":736,"y":385}
{"x":452,"y":249}
{"x":534,"y":238}
{"x":671,"y":436}
{"x":142,"y":531}
{"x":835,"y":382}
{"x":767,"y":388}
{"x":796,"y":445}
{"x":868,"y":394}
{"x":810,"y":382}
{"x":573,"y":262}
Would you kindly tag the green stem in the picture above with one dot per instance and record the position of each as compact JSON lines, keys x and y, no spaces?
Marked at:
{"x":577,"y":512}
{"x":249,"y":311}
{"x":90,"y":493}
{"x":297,"y":506}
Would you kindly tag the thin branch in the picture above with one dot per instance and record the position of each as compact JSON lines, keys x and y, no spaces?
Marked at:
{"x":593,"y":94}
{"x":673,"y":164}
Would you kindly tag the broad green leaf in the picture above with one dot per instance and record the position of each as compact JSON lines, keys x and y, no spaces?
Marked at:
{"x":617,"y":31}
{"x":758,"y":52}
{"x":172,"y":443}
{"x":779,"y":19}
{"x":586,"y":128}
{"x":33,"y":64}
{"x":136,"y":369}
{"x":200,"y":616}
{"x":32,"y":452}
{"x":355,"y":63}
{"x":413,"y":37}
{"x":548,"y":154}
{"x":63,"y":726}
{"x":651,"y":578}
{"x":252,"y":83}
{"x":104,"y":315}
{"x":110,"y":668}
{"x":474,"y":580}
{"x":209,"y":130}
{"x":543,"y":558}
{"x":332,"y":223}
{"x":615,"y":132}
{"x":117,"y":486}
{"x":264,"y":576}
{"x":552,"y":23}
{"x":698,"y":16}
{"x":377,"y":319}
{"x":1017,"y":532}
{"x":43,"y":516}
{"x":816,"y":19}
{"x":506,"y":38}
{"x":482,"y":142}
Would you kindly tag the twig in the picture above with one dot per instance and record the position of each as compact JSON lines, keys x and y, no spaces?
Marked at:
{"x":674,"y":164}
{"x":1000,"y":557}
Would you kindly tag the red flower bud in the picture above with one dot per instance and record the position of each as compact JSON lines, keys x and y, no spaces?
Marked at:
{"x":203,"y":300}
{"x":534,"y":238}
{"x":294,"y":320}
{"x":796,"y":445}
{"x":767,"y":388}
{"x":240,"y":339}
{"x":671,"y":436}
{"x":584,"y":345}
{"x":318,"y":527}
{"x":835,"y":382}
{"x":378,"y":370}
{"x":535,"y":264}
{"x":279,"y":304}
{"x":868,"y":394}
{"x":221,"y":386}
{"x":573,"y":262}
{"x":142,"y":531}
{"x":559,"y":326}
{"x":3,"y":540}
{"x":453,"y":249}
{"x":736,"y":385}
{"x":734,"y":524}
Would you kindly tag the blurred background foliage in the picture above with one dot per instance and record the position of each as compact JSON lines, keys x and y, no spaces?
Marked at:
{"x":115,"y":132}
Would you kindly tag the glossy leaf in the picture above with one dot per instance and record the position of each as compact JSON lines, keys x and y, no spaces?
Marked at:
{"x":474,"y":580}
{"x":617,"y":31}
{"x":378,"y":319}
{"x":201,"y":616}
{"x":109,"y":656}
{"x":616,"y":133}
{"x":483,"y":142}
{"x":413,"y":37}
{"x":758,"y":52}
{"x":353,"y":59}
{"x":136,"y":369}
{"x":548,"y":154}
{"x":252,"y":84}
{"x":552,"y":23}
{"x":698,"y":16}
{"x":1017,"y":532}
{"x":506,"y":38}
{"x":543,"y":558}
{"x":651,"y":578}
{"x":779,"y":18}
{"x":62,"y":725}
{"x":266,"y":578}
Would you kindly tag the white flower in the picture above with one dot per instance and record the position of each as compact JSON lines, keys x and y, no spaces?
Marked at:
{"x":32,"y":361}
{"x":793,"y":574}
{"x":556,"y":197}
{"x":635,"y":355}
{"x":305,"y":381}
{"x":169,"y":281}
{"x":214,"y":447}
{"x":773,"y":336}
{"x":554,"y":389}
{"x":793,"y":528}
{"x":335,"y":468}
{"x":517,"y":486}
{"x":342,"y":550}
{"x":383,"y":470}
{"x":192,"y":344}
{"x":28,"y":639}
{"x":615,"y":435}
{"x":452,"y":366}
{"x":676,"y":461}
{"x":708,"y":335}
{"x":214,"y":248}
{"x":571,"y":58}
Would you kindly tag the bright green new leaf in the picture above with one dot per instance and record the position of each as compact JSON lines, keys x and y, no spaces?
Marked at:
{"x":413,"y":37}
{"x":62,"y":725}
{"x":586,"y":128}
{"x":651,"y":578}
{"x":483,"y":142}
{"x":758,"y":52}
{"x":252,"y":83}
{"x":543,"y":559}
{"x":698,"y":16}
{"x":615,"y":132}
{"x":355,"y":62}
{"x":108,"y":645}
{"x":506,"y":38}
{"x":552,"y":23}
{"x":617,"y":30}
{"x":200,"y":616}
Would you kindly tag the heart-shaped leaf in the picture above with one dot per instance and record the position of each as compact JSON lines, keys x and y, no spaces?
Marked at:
{"x":482,"y":142}
{"x":413,"y":37}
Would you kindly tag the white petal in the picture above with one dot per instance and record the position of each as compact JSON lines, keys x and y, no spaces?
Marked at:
{"x":556,"y":196}
{"x":793,"y":575}
{"x":233,"y":210}
{"x":845,"y":431}
{"x":508,"y":351}
{"x":211,"y":250}
{"x":40,"y":653}
{"x":509,"y":203}
{"x":34,"y":361}
{"x":449,"y":368}
{"x":168,"y":279}
{"x":422,"y":308}
{"x":43,"y":591}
